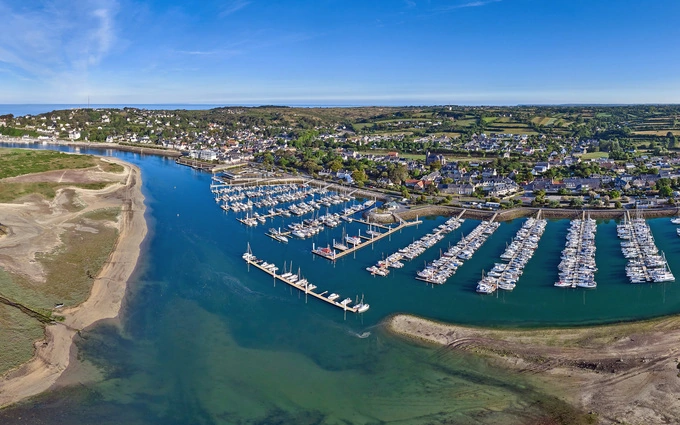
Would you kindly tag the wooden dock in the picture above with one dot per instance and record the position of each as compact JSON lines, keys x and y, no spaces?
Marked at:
{"x":332,"y":255}
{"x":321,"y":296}
{"x":368,"y":223}
{"x":464,"y":242}
{"x":286,"y":234}
{"x":438,"y":232}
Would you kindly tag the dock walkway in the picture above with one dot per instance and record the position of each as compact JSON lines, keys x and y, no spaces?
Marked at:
{"x":438,"y":234}
{"x":445,"y":267}
{"x":358,"y":308}
{"x":332,"y":255}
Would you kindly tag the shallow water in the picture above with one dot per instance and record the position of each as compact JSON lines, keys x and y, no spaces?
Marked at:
{"x":205,"y":340}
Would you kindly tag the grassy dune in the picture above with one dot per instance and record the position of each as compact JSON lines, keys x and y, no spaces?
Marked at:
{"x":71,"y":268}
{"x":22,"y":331}
{"x":16,"y":162}
{"x":70,"y":272}
{"x":11,"y":191}
{"x":104,"y":214}
{"x":110,"y":167}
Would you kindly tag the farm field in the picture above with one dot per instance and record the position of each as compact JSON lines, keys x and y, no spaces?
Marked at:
{"x":593,"y":155}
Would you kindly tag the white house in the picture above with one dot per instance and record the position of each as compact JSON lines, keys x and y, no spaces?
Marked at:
{"x":203,"y":155}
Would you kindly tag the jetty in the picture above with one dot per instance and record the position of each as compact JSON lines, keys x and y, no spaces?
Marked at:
{"x":524,"y":244}
{"x":301,"y":284}
{"x":416,"y":248}
{"x":357,"y":243}
{"x":645,"y":264}
{"x":577,"y":268}
{"x":443,"y":268}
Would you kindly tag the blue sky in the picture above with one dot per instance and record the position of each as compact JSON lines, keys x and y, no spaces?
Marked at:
{"x":350,"y":52}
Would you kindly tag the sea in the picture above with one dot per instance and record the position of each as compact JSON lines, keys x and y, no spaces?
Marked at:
{"x":20,"y":110}
{"x":205,"y":339}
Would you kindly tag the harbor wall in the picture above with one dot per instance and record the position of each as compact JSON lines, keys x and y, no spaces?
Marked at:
{"x":511,"y":214}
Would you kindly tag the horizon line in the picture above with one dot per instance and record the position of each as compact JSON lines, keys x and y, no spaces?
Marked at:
{"x":346,"y":105}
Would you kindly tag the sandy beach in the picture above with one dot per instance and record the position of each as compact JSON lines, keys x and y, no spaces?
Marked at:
{"x":623,"y":373}
{"x":52,"y":355}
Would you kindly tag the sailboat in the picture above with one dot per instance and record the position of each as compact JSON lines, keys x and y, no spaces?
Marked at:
{"x":248,"y":255}
{"x":362,"y":307}
{"x":676,"y":220}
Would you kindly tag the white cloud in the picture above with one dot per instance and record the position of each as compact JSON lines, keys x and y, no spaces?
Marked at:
{"x":233,"y":7}
{"x":58,"y":42}
{"x":103,"y":35}
{"x":476,"y":3}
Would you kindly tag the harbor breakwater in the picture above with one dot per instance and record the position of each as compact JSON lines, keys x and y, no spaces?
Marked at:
{"x":511,"y":214}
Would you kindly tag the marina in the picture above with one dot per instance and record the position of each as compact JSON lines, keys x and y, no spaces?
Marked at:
{"x":577,"y":268}
{"x":440,"y":270}
{"x":303,"y":208}
{"x":645,"y":263}
{"x":521,"y":250}
{"x":298,"y":282}
{"x":538,"y":303}
{"x":263,"y":201}
{"x":355,"y":243}
{"x":266,"y":201}
{"x":416,"y":248}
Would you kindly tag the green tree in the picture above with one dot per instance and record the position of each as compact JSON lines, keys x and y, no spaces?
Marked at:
{"x":436,"y":165}
{"x":665,"y":191}
{"x":268,"y":159}
{"x":399,"y":174}
{"x":311,"y":166}
{"x":335,"y":165}
{"x":576,"y":202}
{"x":359,"y":176}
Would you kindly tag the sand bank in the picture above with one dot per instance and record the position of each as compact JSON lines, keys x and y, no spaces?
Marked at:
{"x":52,"y":355}
{"x":624,"y":373}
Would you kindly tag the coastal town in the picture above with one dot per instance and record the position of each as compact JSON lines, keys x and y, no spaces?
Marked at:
{"x":489,"y":158}
{"x":340,"y":212}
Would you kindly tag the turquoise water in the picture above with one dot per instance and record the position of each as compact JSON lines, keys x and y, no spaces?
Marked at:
{"x":204,"y":340}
